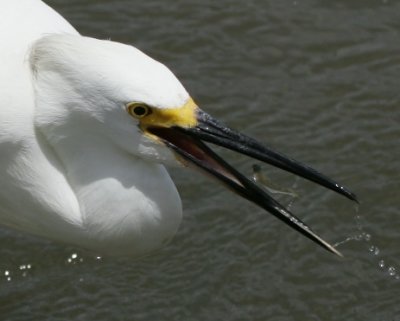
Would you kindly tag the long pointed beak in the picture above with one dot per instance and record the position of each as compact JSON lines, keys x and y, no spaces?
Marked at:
{"x":187,"y":142}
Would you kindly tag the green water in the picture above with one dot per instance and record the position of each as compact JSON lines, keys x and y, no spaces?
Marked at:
{"x":318,"y":80}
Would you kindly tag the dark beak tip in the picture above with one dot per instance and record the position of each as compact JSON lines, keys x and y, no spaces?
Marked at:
{"x":189,"y":144}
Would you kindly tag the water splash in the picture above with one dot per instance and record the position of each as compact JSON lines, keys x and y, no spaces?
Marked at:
{"x":374,"y":250}
{"x":7,"y":275}
{"x":392,"y":270}
{"x":22,"y":270}
{"x":362,"y":236}
{"x":74,"y":259}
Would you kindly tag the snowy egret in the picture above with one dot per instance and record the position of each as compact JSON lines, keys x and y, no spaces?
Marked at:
{"x":85,"y":128}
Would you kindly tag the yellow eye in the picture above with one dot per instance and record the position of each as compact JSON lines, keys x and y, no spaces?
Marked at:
{"x":138,"y":110}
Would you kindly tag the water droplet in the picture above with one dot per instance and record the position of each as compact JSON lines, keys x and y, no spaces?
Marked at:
{"x":28,"y":266}
{"x":98,"y":257}
{"x":74,"y":256}
{"x":358,"y":237}
{"x":6,"y":273}
{"x":9,"y":279}
{"x":22,"y":267}
{"x":392,"y":270}
{"x":374,"y":250}
{"x":381,"y":264}
{"x":358,"y":220}
{"x":367,"y":237}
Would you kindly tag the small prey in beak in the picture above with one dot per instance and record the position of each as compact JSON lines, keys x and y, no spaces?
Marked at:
{"x":188,"y":143}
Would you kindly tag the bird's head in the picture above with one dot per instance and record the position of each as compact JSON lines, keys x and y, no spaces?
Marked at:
{"x":138,"y":104}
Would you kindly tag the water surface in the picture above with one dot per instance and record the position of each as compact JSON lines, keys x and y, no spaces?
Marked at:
{"x":315,"y":79}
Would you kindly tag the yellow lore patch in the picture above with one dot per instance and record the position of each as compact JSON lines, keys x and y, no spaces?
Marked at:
{"x":184,"y":116}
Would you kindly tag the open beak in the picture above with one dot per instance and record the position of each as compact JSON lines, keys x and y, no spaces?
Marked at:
{"x":187,"y":142}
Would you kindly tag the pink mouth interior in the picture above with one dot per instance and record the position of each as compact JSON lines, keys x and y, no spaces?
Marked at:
{"x":194,"y":148}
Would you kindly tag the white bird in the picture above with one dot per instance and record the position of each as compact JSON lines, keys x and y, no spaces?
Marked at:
{"x":85,"y":126}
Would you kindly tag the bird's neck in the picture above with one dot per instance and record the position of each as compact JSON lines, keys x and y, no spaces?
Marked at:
{"x":123,"y":199}
{"x":127,"y":204}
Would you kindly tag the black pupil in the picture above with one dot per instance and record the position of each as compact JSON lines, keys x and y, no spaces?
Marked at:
{"x":140,"y":110}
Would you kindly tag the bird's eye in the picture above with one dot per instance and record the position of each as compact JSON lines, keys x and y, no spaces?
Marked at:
{"x":138,"y":110}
